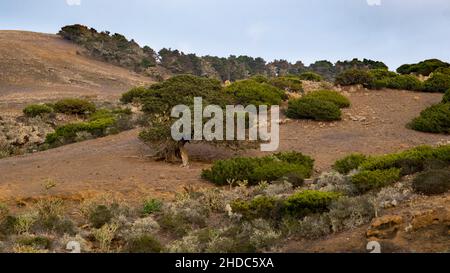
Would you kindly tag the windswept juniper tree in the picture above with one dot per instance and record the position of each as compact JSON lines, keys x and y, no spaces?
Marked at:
{"x":158,"y":101}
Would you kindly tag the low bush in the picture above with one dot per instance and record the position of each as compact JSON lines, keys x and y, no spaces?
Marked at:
{"x":152,"y":206}
{"x":74,"y":107}
{"x":332,"y":96}
{"x":68,"y":133}
{"x":370,"y":180}
{"x":144,"y":244}
{"x":288,"y":83}
{"x":424,"y":68}
{"x":404,"y":82}
{"x":135,"y":94}
{"x":349,"y":163}
{"x":261,"y":207}
{"x":315,"y":109}
{"x":35,"y":110}
{"x":435,"y":119}
{"x":353,"y":77}
{"x":421,"y":153}
{"x":251,"y":92}
{"x":438,"y":82}
{"x":38,"y":242}
{"x":255,"y":170}
{"x":446,"y":98}
{"x":310,"y":76}
{"x":432,"y":182}
{"x":309,"y":202}
{"x":99,"y":216}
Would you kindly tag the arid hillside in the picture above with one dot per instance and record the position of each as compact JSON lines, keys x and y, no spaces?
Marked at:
{"x":42,"y":67}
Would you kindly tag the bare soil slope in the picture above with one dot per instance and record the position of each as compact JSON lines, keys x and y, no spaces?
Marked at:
{"x":42,"y":67}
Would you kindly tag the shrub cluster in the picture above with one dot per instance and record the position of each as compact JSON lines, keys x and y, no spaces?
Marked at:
{"x":251,"y":92}
{"x":35,"y":110}
{"x":332,"y":96}
{"x":370,"y":180}
{"x":255,"y":170}
{"x":353,"y":77}
{"x":349,"y":163}
{"x":432,"y":182}
{"x":446,"y":98}
{"x":288,"y":83}
{"x":435,"y":119}
{"x":308,"y":202}
{"x":424,"y":68}
{"x":438,"y":82}
{"x":310,"y":76}
{"x":74,"y":107}
{"x":313,"y":108}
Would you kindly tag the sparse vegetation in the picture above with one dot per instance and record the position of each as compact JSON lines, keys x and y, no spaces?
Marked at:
{"x":74,"y":107}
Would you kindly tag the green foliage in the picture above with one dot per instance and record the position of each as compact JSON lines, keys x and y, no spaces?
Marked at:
{"x":331,"y":96}
{"x":260,"y":79}
{"x":424,"y":68}
{"x":152,"y":206}
{"x":349,"y":163}
{"x":144,"y":244}
{"x":354,"y":76}
{"x":263,"y":207}
{"x":38,"y":242}
{"x":255,"y":170}
{"x":446,"y":98}
{"x":432,"y":182}
{"x":135,"y":94}
{"x":435,"y":119}
{"x":35,"y":110}
{"x":309,"y":202}
{"x":100,"y":215}
{"x":74,"y":107}
{"x":288,"y":83}
{"x":251,"y":92}
{"x":312,"y":108}
{"x":421,"y":153}
{"x":404,"y":82}
{"x":370,"y":180}
{"x":310,"y":76}
{"x":438,"y":82}
{"x":68,"y":133}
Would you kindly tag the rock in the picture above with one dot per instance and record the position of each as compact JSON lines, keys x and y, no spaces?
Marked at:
{"x":385,"y":227}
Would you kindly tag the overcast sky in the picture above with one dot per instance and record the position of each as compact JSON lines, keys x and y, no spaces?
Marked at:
{"x":393,"y":31}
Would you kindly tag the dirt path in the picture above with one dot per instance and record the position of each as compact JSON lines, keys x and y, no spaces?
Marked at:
{"x":117,"y":164}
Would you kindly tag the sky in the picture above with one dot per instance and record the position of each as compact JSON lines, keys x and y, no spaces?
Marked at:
{"x":392,"y":31}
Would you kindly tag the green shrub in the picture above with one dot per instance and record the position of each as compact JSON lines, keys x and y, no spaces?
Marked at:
{"x":332,"y":96}
{"x":432,"y":182}
{"x":354,"y":76}
{"x":446,"y":98}
{"x":263,"y":207}
{"x":349,"y":163}
{"x":175,"y":224}
{"x":309,"y":202}
{"x":422,"y":153}
{"x":99,"y":216}
{"x":404,"y":82}
{"x":315,"y":109}
{"x":288,"y":83}
{"x":370,"y":180}
{"x":435,"y":119}
{"x":310,"y":76}
{"x":424,"y":68}
{"x":68,"y":133}
{"x":135,"y":94}
{"x":255,"y":170}
{"x":251,"y":92}
{"x":438,"y":82}
{"x":144,"y":244}
{"x":38,"y":242}
{"x":152,"y":206}
{"x":260,"y":79}
{"x":35,"y":110}
{"x":74,"y":107}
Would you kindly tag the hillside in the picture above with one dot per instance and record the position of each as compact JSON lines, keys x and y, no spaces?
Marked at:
{"x":42,"y":67}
